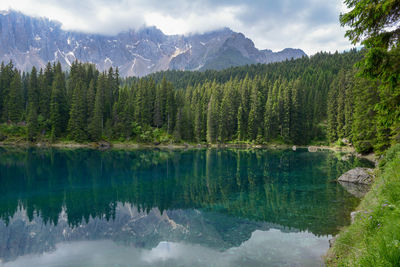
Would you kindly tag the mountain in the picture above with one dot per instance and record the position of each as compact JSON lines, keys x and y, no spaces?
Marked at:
{"x":29,"y":41}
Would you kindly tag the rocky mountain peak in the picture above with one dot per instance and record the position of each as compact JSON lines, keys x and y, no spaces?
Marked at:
{"x":30,"y":41}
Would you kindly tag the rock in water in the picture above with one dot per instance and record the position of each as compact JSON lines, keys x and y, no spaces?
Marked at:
{"x":103,"y":145}
{"x":312,"y":149}
{"x":332,"y":240}
{"x":357,"y":176}
{"x":357,"y":190}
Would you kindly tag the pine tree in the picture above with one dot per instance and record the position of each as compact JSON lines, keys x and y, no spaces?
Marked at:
{"x":32,"y":121}
{"x":96,"y":124}
{"x":341,"y":96}
{"x":91,"y":98}
{"x":254,"y":115}
{"x":228,"y":113}
{"x":33,"y":104}
{"x":287,"y":112}
{"x":332,"y":112}
{"x":77,"y":125}
{"x":271,"y":113}
{"x":6,"y":76}
{"x":15,"y":104}
{"x":58,"y":105}
{"x":364,"y":127}
{"x":2,"y":89}
{"x":212,"y":120}
{"x":240,"y":126}
{"x":158,"y":117}
{"x":297,"y":120}
{"x":178,"y":126}
{"x":46,"y":83}
{"x":170,"y":108}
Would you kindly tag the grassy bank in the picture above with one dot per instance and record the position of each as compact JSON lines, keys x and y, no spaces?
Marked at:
{"x":373,"y":239}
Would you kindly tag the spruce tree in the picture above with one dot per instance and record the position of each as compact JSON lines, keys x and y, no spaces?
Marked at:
{"x":6,"y":76}
{"x":46,"y":84}
{"x":228,"y":115}
{"x":287,"y":113}
{"x":254,"y":115}
{"x":364,"y":127}
{"x":32,"y":121}
{"x":15,"y":104}
{"x":33,"y":104}
{"x":332,"y":112}
{"x":96,"y":124}
{"x":240,"y":124}
{"x":91,"y":98}
{"x":212,"y":120}
{"x":296,"y":117}
{"x":58,"y":105}
{"x":77,"y":125}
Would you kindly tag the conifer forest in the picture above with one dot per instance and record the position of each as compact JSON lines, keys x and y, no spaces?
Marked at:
{"x":308,"y":100}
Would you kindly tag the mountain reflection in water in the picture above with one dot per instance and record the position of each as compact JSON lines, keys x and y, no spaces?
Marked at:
{"x":195,"y":207}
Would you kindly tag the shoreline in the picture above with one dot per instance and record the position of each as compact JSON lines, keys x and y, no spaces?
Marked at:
{"x":103,"y":145}
{"x":372,"y":219}
{"x":120,"y":145}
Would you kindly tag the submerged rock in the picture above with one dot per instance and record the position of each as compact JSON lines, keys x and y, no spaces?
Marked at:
{"x":357,"y":176}
{"x":357,"y":190}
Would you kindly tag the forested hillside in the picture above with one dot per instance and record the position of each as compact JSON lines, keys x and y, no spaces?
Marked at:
{"x":292,"y":102}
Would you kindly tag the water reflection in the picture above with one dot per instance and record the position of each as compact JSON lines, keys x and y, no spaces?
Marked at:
{"x":212,"y":202}
{"x":250,"y":253}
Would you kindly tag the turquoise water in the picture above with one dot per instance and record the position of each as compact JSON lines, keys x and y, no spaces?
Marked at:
{"x":170,"y":207}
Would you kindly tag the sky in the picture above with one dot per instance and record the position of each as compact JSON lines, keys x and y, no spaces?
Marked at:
{"x":312,"y":25}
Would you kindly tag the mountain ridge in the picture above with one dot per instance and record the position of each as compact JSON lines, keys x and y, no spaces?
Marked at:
{"x":31,"y":41}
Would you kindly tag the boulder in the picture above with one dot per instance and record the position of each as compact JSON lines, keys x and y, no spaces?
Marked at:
{"x":312,"y":149}
{"x":103,"y":145}
{"x":357,"y":176}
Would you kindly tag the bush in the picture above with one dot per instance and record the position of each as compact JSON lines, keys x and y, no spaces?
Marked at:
{"x":13,"y":130}
{"x":339,"y":142}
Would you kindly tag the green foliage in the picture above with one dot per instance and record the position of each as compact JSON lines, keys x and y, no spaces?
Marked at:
{"x":371,"y":22}
{"x":12,"y":132}
{"x":147,"y":134}
{"x":390,"y":155}
{"x":376,"y":25}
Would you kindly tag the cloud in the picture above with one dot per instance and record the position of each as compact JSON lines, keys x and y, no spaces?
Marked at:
{"x":311,"y":25}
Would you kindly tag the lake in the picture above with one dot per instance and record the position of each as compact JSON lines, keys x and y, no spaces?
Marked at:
{"x":198,"y":207}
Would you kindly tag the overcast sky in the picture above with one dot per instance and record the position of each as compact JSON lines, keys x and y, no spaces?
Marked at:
{"x":311,"y":25}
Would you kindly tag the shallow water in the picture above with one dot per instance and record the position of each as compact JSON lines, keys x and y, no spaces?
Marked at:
{"x":170,"y":207}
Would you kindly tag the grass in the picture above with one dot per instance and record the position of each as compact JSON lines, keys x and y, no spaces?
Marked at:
{"x":374,"y":237}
